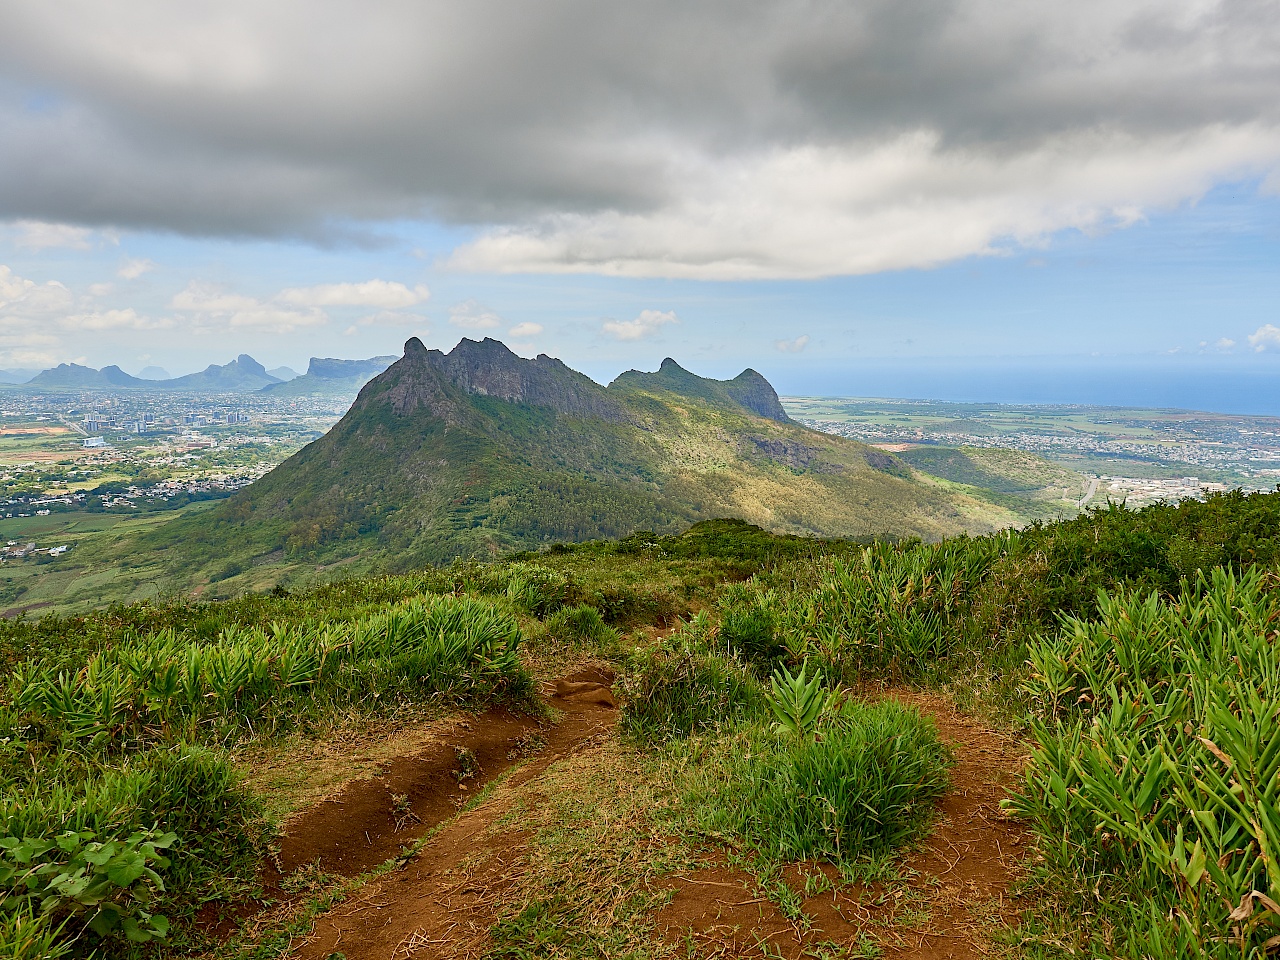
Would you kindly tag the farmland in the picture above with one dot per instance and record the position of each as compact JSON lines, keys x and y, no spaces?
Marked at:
{"x":1129,"y":447}
{"x":1094,"y":697}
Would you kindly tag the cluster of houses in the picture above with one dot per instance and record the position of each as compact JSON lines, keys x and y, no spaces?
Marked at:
{"x":14,"y":550}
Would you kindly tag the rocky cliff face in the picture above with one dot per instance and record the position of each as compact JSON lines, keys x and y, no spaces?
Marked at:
{"x":757,"y":394}
{"x":326,"y":368}
{"x":426,"y":378}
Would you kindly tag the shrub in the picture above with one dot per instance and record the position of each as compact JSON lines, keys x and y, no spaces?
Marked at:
{"x":748,"y":626}
{"x":673,"y":691}
{"x":105,"y":885}
{"x":537,"y":589}
{"x":581,"y":624}
{"x":864,"y":785}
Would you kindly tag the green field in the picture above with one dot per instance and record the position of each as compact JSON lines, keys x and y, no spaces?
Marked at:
{"x":91,"y":574}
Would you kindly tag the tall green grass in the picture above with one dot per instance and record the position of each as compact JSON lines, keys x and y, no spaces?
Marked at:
{"x":136,"y":739}
{"x":786,"y":769}
{"x":1156,"y":772}
{"x":864,"y":786}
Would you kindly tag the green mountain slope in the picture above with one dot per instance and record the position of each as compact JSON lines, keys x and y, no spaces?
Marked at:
{"x":478,"y":451}
{"x":1030,"y":486}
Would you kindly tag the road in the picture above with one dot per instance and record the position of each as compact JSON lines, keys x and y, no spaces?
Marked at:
{"x":1093,"y":488}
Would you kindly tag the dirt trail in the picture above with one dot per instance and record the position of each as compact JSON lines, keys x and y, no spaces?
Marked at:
{"x":437,"y":899}
{"x":957,"y":894}
{"x":444,"y":901}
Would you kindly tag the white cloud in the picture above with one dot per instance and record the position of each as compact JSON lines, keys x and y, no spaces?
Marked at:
{"x":811,"y":211}
{"x":37,"y":235}
{"x":792,"y":346}
{"x":1266,"y":337}
{"x":470,"y":315}
{"x":12,"y":287}
{"x":214,"y":307}
{"x":525,"y":329}
{"x":873,"y":135}
{"x":1225,"y":344}
{"x":101,"y":289}
{"x":127,"y":319}
{"x":26,"y":300}
{"x":646,"y":325}
{"x":132,"y":269}
{"x":370,"y":293}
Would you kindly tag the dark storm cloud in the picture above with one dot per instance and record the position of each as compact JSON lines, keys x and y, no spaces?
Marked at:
{"x":542,"y":119}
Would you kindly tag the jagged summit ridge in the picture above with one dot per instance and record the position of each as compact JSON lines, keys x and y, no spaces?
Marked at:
{"x":748,"y":389}
{"x":429,"y":378}
{"x":477,"y":451}
{"x":425,"y":378}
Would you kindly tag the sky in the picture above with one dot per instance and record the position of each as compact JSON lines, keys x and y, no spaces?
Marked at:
{"x":937,"y":198}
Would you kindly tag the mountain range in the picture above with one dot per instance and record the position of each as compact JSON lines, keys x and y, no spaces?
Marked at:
{"x":478,"y":452}
{"x":242,"y":375}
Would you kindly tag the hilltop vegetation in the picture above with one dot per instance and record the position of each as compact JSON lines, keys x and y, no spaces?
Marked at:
{"x":1134,"y":650}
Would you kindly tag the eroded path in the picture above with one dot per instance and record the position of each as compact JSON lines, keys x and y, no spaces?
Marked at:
{"x":444,"y":901}
{"x":955,"y":889}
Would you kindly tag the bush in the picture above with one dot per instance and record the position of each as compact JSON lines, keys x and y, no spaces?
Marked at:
{"x":674,"y":691}
{"x":748,"y":628}
{"x":105,"y":885}
{"x":536,"y":589}
{"x":863,"y":786}
{"x":580,"y":624}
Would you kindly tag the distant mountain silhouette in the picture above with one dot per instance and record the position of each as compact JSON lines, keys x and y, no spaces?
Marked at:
{"x":328,"y":377}
{"x":73,"y":375}
{"x":240,"y":375}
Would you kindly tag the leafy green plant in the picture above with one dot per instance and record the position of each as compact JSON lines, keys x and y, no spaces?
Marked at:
{"x":581,"y":624}
{"x":748,"y":627}
{"x":104,"y":885}
{"x":1158,"y":763}
{"x":798,"y":703}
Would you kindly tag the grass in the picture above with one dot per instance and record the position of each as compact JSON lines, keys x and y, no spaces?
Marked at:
{"x":863,"y":787}
{"x":137,"y":739}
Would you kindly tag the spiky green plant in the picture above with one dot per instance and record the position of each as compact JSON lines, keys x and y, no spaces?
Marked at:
{"x":798,"y":703}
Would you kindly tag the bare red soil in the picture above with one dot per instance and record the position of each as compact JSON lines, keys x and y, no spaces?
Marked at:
{"x":444,"y":900}
{"x":442,"y":897}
